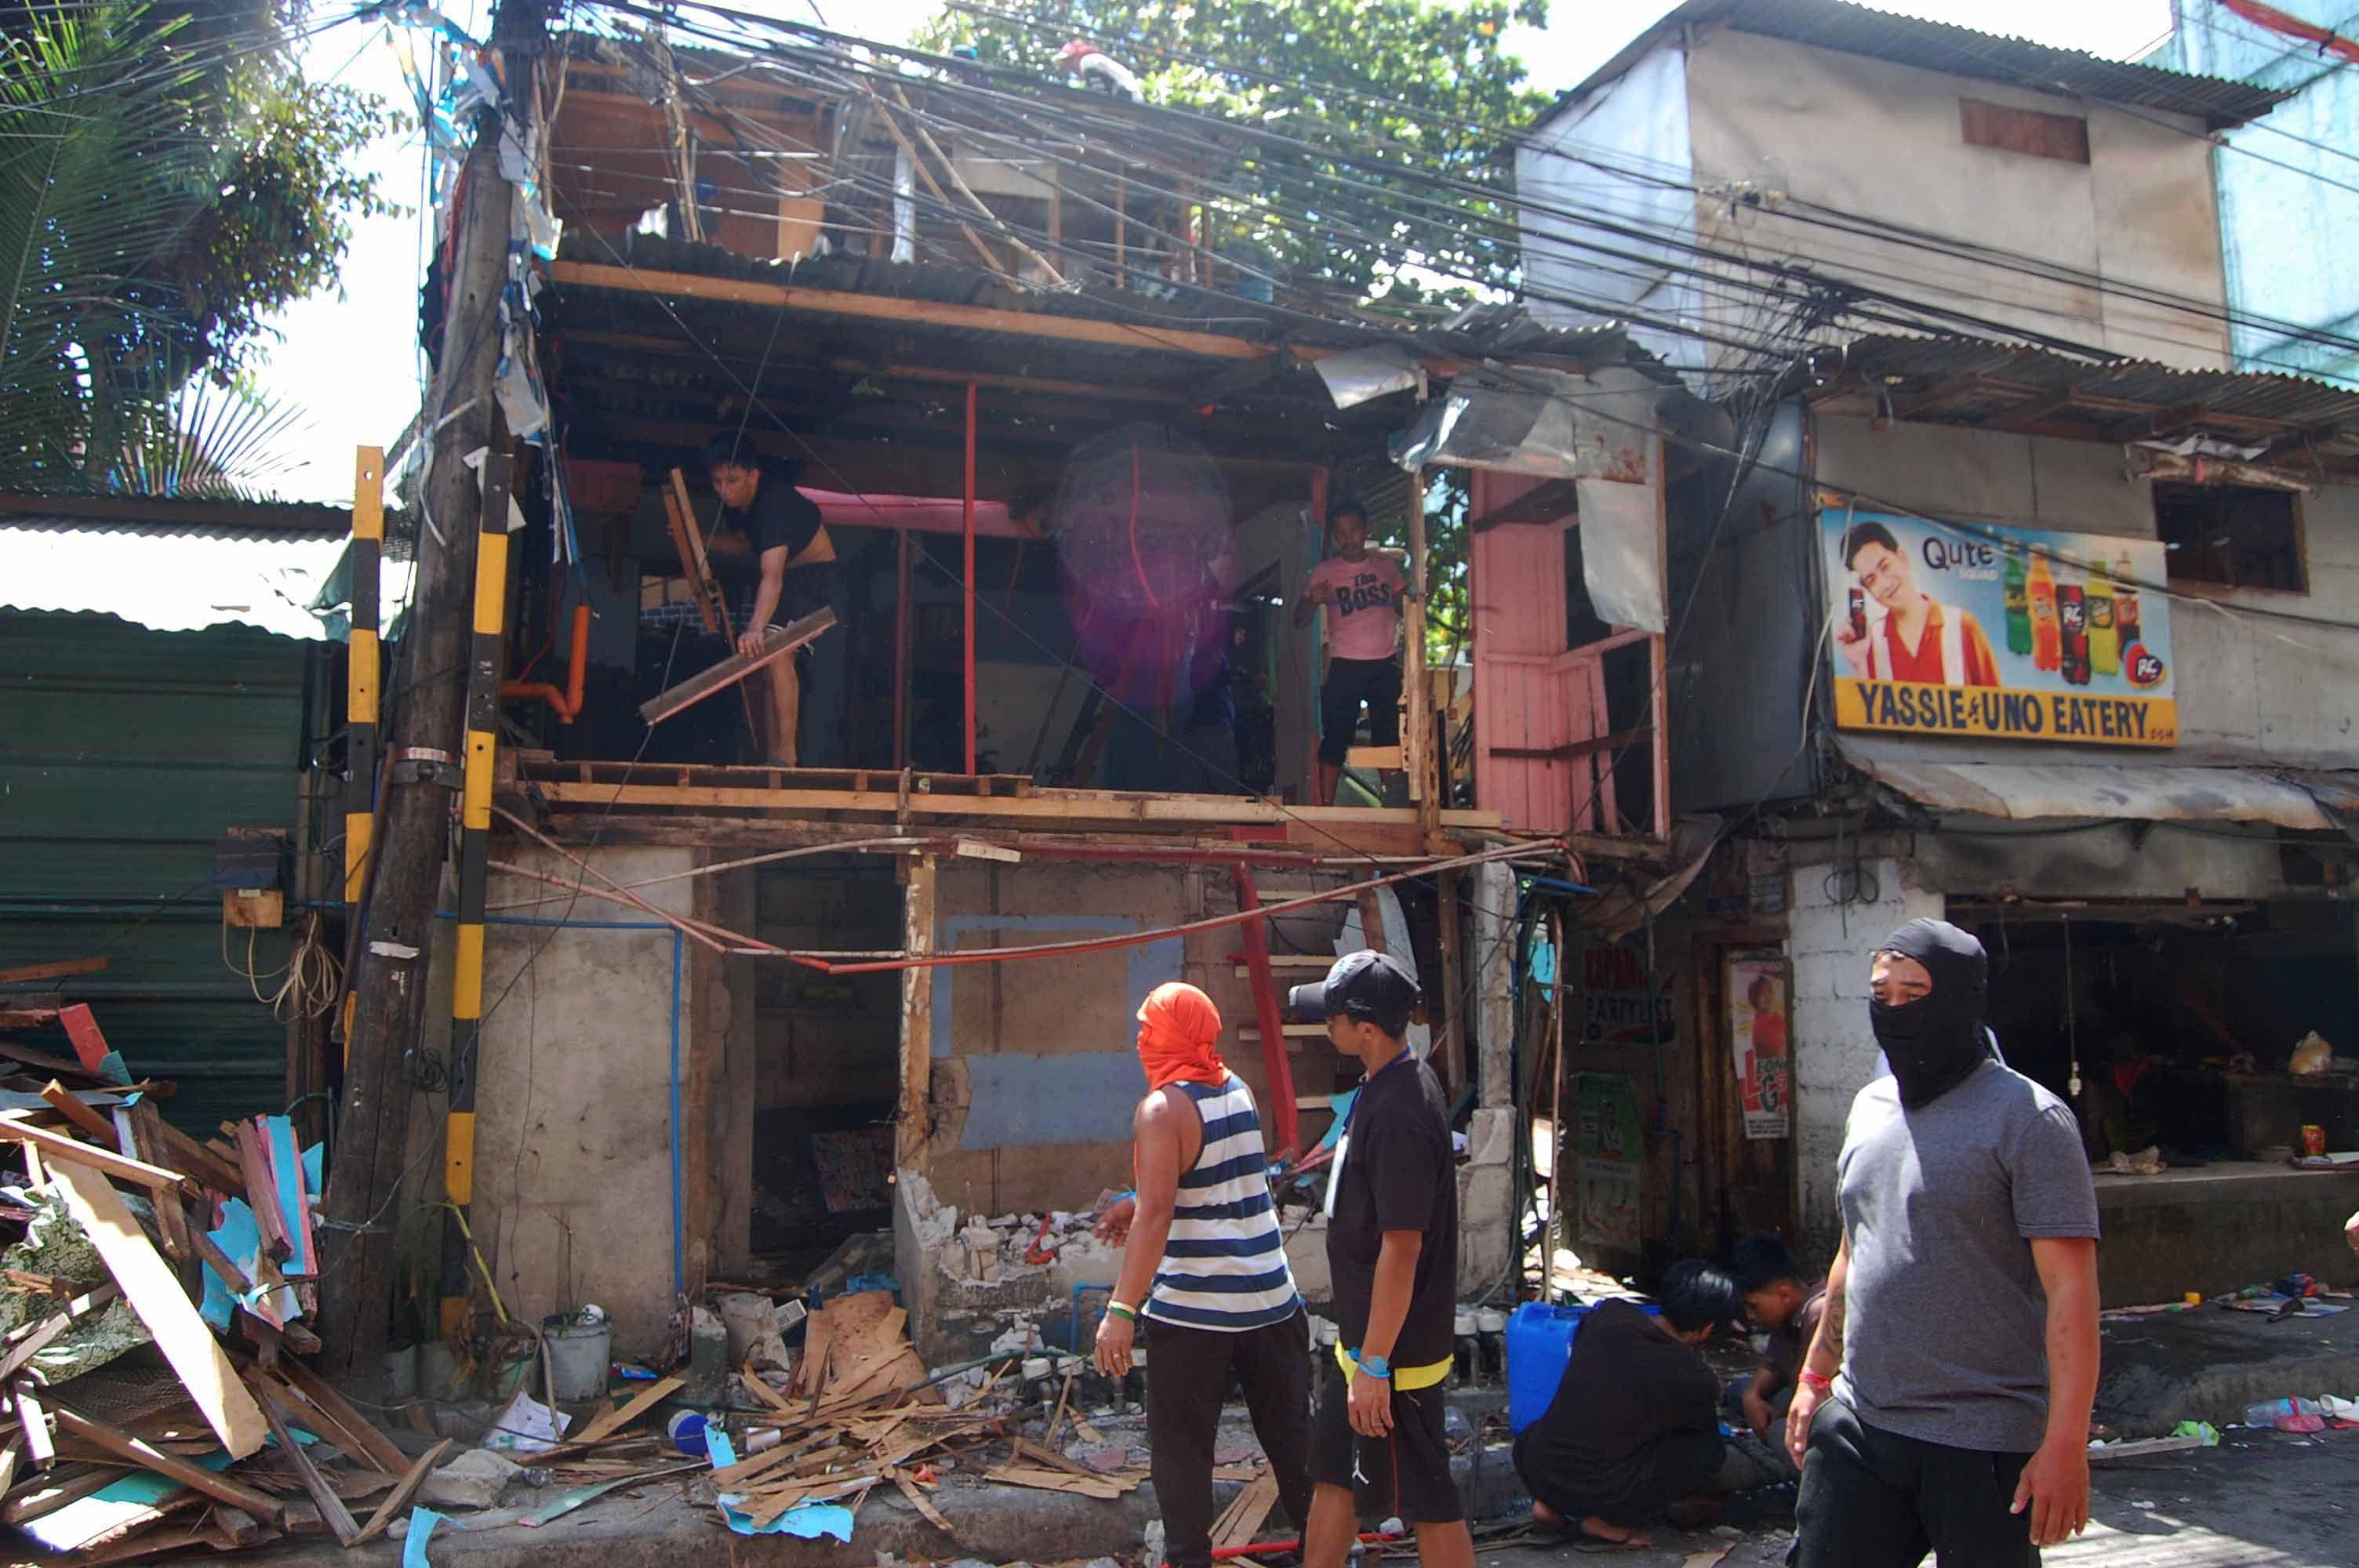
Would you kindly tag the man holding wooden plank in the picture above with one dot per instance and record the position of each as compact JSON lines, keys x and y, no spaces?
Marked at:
{"x":784,"y":532}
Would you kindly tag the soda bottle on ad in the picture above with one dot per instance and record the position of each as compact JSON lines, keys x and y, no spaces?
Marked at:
{"x":1858,"y":615}
{"x":2072,"y":622}
{"x":2018,"y":608}
{"x":2126,"y":629}
{"x":2047,"y":640}
{"x":2105,"y":644}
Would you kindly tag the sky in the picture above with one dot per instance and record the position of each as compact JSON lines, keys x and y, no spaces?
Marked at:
{"x":349,"y":358}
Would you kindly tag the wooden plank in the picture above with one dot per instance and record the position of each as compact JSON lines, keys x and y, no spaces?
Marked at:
{"x":39,"y":1499}
{"x":691,"y":552}
{"x":157,"y":1135}
{"x":155,"y":1295}
{"x":62,"y":1149}
{"x":150,"y":1456}
{"x":56,"y":1066}
{"x":33,"y":1421}
{"x":913,"y":1135}
{"x":644,"y":1400}
{"x":777,"y":642}
{"x":88,"y":1042}
{"x":62,"y":1099}
{"x":332,"y":1507}
{"x":56,"y":969}
{"x":918,"y":1501}
{"x":1044,"y":805}
{"x":702,"y":581}
{"x":2143,"y":1449}
{"x":381,"y":1451}
{"x":924,"y":312}
{"x":1245,"y":1517}
{"x":33,"y":1344}
{"x":1384,"y":759}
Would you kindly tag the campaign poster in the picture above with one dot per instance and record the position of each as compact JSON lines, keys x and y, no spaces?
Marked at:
{"x":1759,"y":1012}
{"x":1606,"y":1163}
{"x":2010,"y":633}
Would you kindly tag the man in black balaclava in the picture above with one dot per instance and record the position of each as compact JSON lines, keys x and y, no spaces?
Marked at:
{"x":1931,"y":1033}
{"x":1943,"y":1405}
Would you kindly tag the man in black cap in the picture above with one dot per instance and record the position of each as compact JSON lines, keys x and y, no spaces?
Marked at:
{"x":1377,"y":1447}
{"x":1944,"y":1403}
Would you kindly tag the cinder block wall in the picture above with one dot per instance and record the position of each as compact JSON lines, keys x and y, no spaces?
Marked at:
{"x":1831,"y":933}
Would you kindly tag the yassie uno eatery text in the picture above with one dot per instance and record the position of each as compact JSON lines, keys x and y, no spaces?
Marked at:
{"x":1949,"y":629}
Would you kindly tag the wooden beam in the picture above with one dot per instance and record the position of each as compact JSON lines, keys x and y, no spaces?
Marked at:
{"x":1613,"y":742}
{"x":1040,"y":805}
{"x":169,"y":1465}
{"x":404,"y":1489}
{"x":157,"y":1296}
{"x":1936,"y":394}
{"x":61,"y":1100}
{"x":323,"y":1497}
{"x":915,"y":312}
{"x":379,"y":1449}
{"x":911,"y":1143}
{"x":2032,"y":409}
{"x":64,"y":1150}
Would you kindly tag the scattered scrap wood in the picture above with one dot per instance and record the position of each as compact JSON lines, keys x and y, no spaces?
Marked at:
{"x":332,"y":1507}
{"x":918,"y":1501}
{"x":63,"y":1101}
{"x":148,"y":1457}
{"x":1240,"y":1523}
{"x":56,"y":1066}
{"x":89,"y":1046}
{"x":59,"y":1147}
{"x":777,"y":642}
{"x":1106,"y":1487}
{"x":646,"y":1401}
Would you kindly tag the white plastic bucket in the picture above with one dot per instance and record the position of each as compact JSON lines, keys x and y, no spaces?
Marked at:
{"x":578,"y":1354}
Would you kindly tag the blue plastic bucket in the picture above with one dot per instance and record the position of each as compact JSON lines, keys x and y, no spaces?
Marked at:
{"x":1540,"y":1344}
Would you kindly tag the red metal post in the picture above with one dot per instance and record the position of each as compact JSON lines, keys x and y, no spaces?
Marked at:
{"x":968,"y":579}
{"x":1277,"y":1069}
{"x":901,"y":654}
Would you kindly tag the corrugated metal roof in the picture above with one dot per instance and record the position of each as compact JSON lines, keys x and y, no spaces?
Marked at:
{"x":180,"y":582}
{"x":122,"y":753}
{"x":1836,"y":24}
{"x":2125,"y":792}
{"x":173,"y":517}
{"x":1965,"y":381}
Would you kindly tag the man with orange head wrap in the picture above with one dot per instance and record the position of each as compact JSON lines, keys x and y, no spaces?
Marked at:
{"x":1205,"y":1264}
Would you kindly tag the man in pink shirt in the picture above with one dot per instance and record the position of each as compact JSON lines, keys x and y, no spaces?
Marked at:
{"x":1362,"y":590}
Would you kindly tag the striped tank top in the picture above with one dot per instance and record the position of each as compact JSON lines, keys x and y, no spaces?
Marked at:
{"x":1225,"y":1263}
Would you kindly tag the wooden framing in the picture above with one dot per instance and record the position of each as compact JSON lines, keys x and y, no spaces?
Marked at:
{"x":917,"y":312}
{"x":918,"y":926}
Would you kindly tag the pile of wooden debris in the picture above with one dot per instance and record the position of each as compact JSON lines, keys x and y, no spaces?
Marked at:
{"x":148,"y":1312}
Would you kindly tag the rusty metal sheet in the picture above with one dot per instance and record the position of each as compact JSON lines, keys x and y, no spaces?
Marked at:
{"x":2130,"y":792}
{"x":2166,"y":793}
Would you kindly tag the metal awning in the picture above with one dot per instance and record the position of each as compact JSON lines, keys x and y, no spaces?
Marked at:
{"x":2127,"y":791}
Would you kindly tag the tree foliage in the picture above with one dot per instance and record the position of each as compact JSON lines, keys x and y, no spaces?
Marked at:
{"x":169,"y":177}
{"x":1363,"y":89}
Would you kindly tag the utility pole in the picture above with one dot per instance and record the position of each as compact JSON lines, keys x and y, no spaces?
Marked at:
{"x":423,"y":750}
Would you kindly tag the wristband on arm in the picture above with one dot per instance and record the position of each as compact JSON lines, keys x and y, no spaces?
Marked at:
{"x":1818,"y":1381}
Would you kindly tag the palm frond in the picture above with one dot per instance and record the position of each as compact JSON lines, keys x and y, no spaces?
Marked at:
{"x":100,"y":170}
{"x":205,"y":440}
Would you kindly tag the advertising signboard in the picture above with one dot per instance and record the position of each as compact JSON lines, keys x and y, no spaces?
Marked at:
{"x":2006,"y":633}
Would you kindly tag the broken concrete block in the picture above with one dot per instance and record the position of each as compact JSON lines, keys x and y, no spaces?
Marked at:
{"x":473,"y":1480}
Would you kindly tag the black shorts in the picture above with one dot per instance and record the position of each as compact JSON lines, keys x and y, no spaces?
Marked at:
{"x":1406,"y":1475}
{"x":1350,"y":683}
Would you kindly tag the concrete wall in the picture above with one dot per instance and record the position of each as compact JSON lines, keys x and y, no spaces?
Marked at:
{"x":2293,"y":241}
{"x":1874,"y":138}
{"x":2249,"y":689}
{"x":1834,"y":919}
{"x":573,"y":1173}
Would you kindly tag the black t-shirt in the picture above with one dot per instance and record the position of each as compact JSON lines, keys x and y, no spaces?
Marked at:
{"x":781,"y":514}
{"x":1398,"y":1175}
{"x":1628,"y":1383}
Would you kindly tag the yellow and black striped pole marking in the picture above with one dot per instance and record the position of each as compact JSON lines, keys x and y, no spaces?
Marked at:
{"x":362,"y":673}
{"x":486,"y":658}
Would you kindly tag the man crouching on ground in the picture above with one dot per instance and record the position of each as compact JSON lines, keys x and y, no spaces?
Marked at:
{"x":1634,"y":1431}
{"x":1201,"y":1229}
{"x":1391,"y":1247}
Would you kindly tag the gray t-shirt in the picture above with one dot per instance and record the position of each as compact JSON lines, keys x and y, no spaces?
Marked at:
{"x":1945,"y":1326}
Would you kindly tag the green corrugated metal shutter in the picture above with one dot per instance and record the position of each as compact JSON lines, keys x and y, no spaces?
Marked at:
{"x":123,"y":752}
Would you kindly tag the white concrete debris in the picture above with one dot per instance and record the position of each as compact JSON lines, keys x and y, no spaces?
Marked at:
{"x":473,"y":1480}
